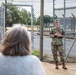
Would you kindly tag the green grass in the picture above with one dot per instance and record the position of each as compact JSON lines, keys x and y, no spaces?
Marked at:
{"x":36,"y":53}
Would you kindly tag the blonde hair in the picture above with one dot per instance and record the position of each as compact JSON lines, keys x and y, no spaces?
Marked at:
{"x":16,"y":42}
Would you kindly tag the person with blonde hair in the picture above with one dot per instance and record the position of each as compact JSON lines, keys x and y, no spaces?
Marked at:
{"x":15,"y":56}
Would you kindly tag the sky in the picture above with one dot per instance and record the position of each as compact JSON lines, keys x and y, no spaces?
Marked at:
{"x":69,"y":3}
{"x":48,"y":6}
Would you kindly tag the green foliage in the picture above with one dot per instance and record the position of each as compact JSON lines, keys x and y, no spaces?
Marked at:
{"x":28,"y":22}
{"x":46,"y":19}
{"x":37,"y":21}
{"x":36,"y":53}
{"x":16,"y":15}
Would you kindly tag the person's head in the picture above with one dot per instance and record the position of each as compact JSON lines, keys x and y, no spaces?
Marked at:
{"x":57,"y":23}
{"x":16,"y":42}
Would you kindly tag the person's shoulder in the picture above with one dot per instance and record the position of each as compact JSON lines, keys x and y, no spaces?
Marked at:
{"x":53,"y":28}
{"x":1,"y":55}
{"x":33,"y":57}
{"x":62,"y":29}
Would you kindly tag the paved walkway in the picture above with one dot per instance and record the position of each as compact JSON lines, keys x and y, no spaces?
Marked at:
{"x":50,"y":69}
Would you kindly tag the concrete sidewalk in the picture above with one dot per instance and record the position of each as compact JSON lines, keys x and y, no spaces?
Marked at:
{"x":50,"y":69}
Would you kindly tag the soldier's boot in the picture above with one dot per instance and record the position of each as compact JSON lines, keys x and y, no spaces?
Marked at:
{"x":63,"y":66}
{"x":56,"y":66}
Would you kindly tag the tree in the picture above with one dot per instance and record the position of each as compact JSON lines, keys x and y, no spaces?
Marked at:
{"x":26,"y":16}
{"x":37,"y":21}
{"x":47,"y":19}
{"x":16,"y":15}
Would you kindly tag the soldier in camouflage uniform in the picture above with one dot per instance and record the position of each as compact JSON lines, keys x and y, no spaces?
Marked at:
{"x":57,"y":44}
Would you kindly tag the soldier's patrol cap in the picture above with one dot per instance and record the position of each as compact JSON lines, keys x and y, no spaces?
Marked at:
{"x":57,"y":20}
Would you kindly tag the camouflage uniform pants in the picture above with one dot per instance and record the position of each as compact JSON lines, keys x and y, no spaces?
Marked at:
{"x":55,"y":50}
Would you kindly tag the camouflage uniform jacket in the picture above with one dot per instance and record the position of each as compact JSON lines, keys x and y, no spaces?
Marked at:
{"x":57,"y":40}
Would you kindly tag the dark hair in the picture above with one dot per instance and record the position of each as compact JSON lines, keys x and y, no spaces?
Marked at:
{"x":16,"y":42}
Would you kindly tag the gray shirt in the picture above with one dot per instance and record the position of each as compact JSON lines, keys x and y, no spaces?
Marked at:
{"x":20,"y":65}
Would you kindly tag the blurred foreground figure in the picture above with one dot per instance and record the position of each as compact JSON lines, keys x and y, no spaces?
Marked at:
{"x":57,"y":44}
{"x":15,"y":56}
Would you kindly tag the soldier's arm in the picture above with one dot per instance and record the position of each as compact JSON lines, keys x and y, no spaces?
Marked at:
{"x":63,"y":33}
{"x":51,"y":33}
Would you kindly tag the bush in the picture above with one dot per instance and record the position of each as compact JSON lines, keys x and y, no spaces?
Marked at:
{"x":36,"y":53}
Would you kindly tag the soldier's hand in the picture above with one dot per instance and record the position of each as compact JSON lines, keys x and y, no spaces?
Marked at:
{"x":56,"y":34}
{"x":59,"y":35}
